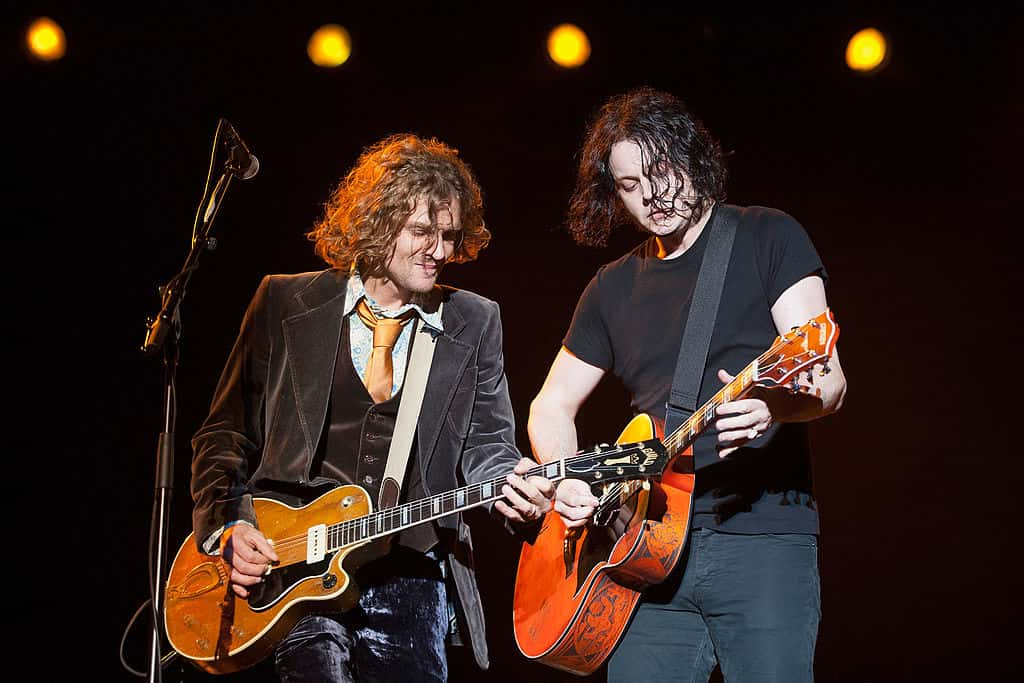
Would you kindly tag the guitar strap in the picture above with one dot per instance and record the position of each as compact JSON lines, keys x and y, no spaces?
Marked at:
{"x":414,"y":385}
{"x":693,"y":351}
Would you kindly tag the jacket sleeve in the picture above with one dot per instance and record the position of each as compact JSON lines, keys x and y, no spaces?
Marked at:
{"x":490,"y":450}
{"x":231,"y":438}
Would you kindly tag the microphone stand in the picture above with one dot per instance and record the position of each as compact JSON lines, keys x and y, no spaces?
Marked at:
{"x":158,"y":339}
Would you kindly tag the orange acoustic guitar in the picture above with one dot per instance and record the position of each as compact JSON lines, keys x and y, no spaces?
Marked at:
{"x":320,"y":545}
{"x":576,"y":592}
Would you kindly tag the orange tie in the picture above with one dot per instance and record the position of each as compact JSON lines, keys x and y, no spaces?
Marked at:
{"x":379,"y":371}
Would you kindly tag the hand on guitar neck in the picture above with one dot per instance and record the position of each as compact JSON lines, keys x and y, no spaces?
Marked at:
{"x":528,"y":499}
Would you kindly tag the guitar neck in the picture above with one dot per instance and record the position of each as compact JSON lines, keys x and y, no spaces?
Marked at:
{"x":395,"y":519}
{"x":684,"y":435}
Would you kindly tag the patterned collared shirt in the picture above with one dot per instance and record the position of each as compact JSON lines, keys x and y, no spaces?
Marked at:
{"x":361,"y":337}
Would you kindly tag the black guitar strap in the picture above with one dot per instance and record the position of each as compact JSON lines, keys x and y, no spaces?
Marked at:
{"x":693,"y":352}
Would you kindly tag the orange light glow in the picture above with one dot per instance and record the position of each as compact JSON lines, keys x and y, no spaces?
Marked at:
{"x":45,"y":39}
{"x":329,"y":46}
{"x":867,"y":51}
{"x":568,"y":46}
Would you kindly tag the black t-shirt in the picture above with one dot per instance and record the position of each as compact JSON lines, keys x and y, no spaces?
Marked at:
{"x":629,"y":321}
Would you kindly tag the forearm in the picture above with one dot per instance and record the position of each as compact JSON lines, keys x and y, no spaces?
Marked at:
{"x":552,"y":430}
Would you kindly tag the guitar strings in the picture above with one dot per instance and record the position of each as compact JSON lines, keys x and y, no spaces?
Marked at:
{"x":384,"y":521}
{"x":680,"y":438}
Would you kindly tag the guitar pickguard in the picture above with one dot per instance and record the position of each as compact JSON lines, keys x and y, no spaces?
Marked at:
{"x":281,"y":581}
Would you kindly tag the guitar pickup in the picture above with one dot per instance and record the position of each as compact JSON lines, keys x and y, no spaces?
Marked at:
{"x":316,"y":543}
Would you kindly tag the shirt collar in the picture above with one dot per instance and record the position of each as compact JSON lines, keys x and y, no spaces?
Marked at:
{"x":356,"y":291}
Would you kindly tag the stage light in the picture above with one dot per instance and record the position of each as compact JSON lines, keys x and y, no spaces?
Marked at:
{"x":568,"y":46}
{"x":329,"y":46}
{"x":45,"y":39}
{"x":868,"y":51}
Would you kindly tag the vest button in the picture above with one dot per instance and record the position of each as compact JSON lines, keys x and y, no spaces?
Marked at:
{"x":367,"y":479}
{"x":369,"y":458}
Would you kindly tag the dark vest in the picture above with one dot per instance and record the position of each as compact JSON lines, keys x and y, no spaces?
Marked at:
{"x":356,"y":440}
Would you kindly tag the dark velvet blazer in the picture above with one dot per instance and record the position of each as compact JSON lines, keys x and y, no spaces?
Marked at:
{"x":269,"y":409}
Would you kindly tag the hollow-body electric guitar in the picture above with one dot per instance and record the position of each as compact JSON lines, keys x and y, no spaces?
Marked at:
{"x":576,"y":590}
{"x":320,"y":546}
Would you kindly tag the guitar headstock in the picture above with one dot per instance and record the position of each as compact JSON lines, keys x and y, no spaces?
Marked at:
{"x":638,"y":460}
{"x":799,"y":349}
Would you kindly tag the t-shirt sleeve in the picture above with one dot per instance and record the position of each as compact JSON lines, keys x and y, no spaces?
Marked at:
{"x":587,"y":337}
{"x":786,"y":254}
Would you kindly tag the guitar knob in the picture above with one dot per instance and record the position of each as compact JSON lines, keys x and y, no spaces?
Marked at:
{"x":825,"y":369}
{"x":329,"y":581}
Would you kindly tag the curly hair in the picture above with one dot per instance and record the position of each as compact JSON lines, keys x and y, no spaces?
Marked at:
{"x":371,"y":204}
{"x":669,"y":136}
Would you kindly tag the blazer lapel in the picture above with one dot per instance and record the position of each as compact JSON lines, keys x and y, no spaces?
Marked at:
{"x":451,"y":357}
{"x":311,"y":340}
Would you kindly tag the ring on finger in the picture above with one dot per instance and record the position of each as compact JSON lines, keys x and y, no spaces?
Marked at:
{"x":752,"y":434}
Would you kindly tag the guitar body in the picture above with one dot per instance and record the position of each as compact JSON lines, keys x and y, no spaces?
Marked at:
{"x":220,"y":632}
{"x":574,"y":599}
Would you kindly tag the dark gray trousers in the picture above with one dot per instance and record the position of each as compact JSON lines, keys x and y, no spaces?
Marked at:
{"x":748,"y":603}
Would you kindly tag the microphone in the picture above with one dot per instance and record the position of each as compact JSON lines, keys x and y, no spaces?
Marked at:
{"x":242,"y":163}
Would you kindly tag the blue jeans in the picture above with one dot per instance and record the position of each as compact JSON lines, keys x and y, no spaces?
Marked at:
{"x":749,"y":603}
{"x":396,"y":632}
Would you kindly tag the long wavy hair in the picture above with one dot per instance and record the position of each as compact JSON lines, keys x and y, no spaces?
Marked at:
{"x":371,"y":204}
{"x":670,"y":138}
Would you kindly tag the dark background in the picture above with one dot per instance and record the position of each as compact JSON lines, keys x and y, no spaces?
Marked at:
{"x":908,"y":182}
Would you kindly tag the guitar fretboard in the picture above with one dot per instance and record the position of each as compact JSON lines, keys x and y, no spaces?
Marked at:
{"x":680,"y":439}
{"x":759,"y":371}
{"x":392,"y":520}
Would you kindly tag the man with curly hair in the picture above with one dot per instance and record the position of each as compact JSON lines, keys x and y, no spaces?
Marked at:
{"x":745,"y":594}
{"x":309,"y":400}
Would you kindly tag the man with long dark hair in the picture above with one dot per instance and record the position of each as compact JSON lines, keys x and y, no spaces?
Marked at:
{"x":310,"y":396}
{"x":745,"y":595}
